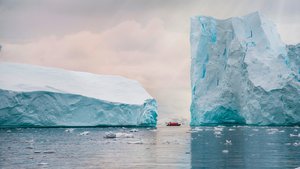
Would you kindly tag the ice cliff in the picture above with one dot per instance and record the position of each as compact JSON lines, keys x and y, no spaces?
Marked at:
{"x":40,"y":96}
{"x":242,"y":72}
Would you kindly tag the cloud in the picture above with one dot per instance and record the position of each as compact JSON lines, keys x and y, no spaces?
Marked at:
{"x":156,"y":57}
{"x":24,"y":20}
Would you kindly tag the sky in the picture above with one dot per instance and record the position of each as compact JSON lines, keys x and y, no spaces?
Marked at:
{"x":146,"y":40}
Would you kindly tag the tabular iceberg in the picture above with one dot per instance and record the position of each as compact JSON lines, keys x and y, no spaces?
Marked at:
{"x":242,"y":72}
{"x":41,"y":96}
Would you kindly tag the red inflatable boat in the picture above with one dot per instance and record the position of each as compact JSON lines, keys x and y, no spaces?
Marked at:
{"x":173,"y":124}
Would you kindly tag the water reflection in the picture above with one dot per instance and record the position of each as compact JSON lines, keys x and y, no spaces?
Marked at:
{"x":164,"y":147}
{"x":245,"y":147}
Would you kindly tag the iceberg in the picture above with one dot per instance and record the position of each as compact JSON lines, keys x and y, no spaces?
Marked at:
{"x":50,"y":97}
{"x":241,"y":72}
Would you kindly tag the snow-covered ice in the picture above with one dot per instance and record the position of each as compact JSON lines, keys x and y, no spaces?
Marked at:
{"x":242,"y":72}
{"x":41,"y":96}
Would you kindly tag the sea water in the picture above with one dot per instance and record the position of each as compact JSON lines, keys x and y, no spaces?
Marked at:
{"x":162,"y":147}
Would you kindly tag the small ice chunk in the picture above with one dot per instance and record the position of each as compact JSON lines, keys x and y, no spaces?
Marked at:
{"x":231,"y":129}
{"x":135,"y":142}
{"x":69,"y":130}
{"x":225,"y":151}
{"x":118,"y":135}
{"x":29,"y":141}
{"x":124,"y":135}
{"x":272,"y":130}
{"x":296,"y":144}
{"x":217,"y":133}
{"x":197,"y":129}
{"x":42,"y":163}
{"x":228,"y":142}
{"x":84,"y":133}
{"x":295,"y":135}
{"x":8,"y":131}
{"x":134,"y":130}
{"x":218,"y":129}
{"x":110,"y":135}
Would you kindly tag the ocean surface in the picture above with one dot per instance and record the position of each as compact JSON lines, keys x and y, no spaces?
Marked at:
{"x":162,"y":147}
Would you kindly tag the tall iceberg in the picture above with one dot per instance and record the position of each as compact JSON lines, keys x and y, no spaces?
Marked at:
{"x":40,"y":96}
{"x":242,"y":72}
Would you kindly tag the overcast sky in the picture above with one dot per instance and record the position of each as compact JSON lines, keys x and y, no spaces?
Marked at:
{"x":146,"y":40}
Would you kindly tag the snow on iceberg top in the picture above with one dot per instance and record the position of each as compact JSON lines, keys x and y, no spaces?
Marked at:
{"x":28,"y":78}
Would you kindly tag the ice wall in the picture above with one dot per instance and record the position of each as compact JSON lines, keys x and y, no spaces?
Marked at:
{"x":242,"y":72}
{"x":40,"y":96}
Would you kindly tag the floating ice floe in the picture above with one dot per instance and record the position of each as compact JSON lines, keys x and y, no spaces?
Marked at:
{"x":135,"y":142}
{"x":84,"y":133}
{"x":124,"y":135}
{"x":198,"y":129}
{"x":225,"y":151}
{"x":218,"y":128}
{"x":118,"y":135}
{"x":296,"y":144}
{"x":218,"y":131}
{"x":110,"y":135}
{"x":194,"y":130}
{"x":295,"y":135}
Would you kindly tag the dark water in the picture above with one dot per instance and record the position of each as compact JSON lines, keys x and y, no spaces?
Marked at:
{"x":166,"y":147}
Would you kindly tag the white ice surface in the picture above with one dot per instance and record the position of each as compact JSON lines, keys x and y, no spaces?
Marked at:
{"x":26,"y":78}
